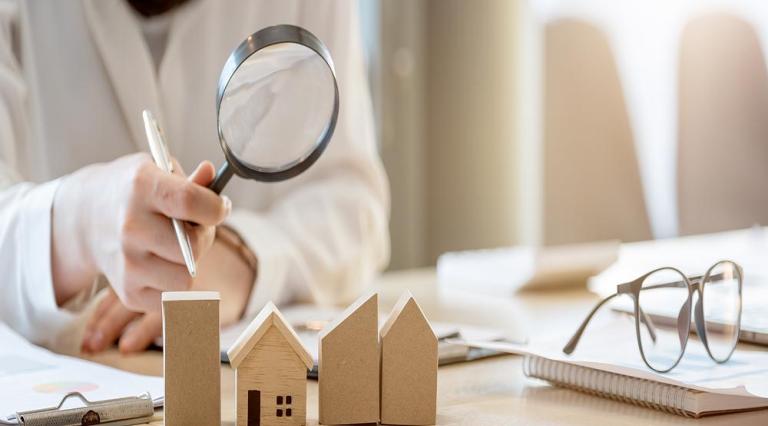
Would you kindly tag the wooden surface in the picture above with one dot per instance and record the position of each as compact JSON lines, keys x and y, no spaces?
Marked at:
{"x":493,"y":391}
{"x":348,"y":365}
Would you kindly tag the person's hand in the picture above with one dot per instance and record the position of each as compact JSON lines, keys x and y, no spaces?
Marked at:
{"x":223,"y":269}
{"x":113,"y":219}
{"x":112,"y":320}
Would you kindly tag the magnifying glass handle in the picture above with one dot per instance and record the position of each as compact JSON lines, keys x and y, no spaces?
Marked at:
{"x":223,"y":175}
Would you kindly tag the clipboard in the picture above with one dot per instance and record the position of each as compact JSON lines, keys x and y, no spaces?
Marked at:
{"x":113,"y":412}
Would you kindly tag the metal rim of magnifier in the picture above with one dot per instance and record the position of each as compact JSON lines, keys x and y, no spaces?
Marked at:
{"x":255,"y":42}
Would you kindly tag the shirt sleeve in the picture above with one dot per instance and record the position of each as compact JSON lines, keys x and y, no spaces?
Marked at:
{"x":27,"y":301}
{"x":325,"y":235}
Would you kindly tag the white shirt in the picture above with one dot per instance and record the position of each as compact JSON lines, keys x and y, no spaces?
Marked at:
{"x":74,"y":76}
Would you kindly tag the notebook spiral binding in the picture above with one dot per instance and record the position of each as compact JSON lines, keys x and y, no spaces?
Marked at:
{"x":632,"y":390}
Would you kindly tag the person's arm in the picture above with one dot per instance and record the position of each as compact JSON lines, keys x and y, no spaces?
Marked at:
{"x":325,"y":234}
{"x":113,"y":219}
{"x":110,"y":219}
{"x":27,"y":301}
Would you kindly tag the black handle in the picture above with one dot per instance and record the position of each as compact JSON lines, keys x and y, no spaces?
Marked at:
{"x":223,"y":175}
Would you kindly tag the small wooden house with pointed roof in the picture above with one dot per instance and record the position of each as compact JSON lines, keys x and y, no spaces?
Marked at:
{"x":408,"y":366}
{"x":271,"y":372}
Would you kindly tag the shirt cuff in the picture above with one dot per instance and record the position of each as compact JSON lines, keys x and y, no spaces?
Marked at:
{"x":45,"y":320}
{"x":273,"y":251}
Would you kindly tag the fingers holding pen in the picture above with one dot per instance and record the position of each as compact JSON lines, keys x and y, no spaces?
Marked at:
{"x":187,"y":199}
{"x":178,"y":198}
{"x":157,"y":236}
{"x":134,"y":245}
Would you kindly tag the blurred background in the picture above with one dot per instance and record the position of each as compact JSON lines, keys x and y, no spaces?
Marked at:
{"x":543,"y":122}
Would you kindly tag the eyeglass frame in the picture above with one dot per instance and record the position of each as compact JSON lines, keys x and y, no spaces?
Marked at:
{"x":694,"y":284}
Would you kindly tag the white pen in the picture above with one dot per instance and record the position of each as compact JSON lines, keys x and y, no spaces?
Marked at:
{"x":162,"y":158}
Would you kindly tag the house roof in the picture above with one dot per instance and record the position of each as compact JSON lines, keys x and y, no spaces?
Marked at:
{"x":269,"y":317}
{"x":350,"y":311}
{"x":406,"y":304}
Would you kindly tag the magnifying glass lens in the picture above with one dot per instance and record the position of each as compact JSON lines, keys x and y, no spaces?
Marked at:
{"x":277,"y":106}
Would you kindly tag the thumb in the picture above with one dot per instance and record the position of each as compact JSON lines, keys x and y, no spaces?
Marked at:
{"x":203,"y":174}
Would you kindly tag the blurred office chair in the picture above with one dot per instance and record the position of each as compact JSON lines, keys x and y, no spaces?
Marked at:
{"x":723,"y":126}
{"x":592,"y":185}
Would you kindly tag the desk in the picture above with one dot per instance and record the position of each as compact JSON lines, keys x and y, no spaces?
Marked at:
{"x":492,"y":391}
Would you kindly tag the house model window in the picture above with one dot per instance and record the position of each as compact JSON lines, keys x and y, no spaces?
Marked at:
{"x":284,"y":407}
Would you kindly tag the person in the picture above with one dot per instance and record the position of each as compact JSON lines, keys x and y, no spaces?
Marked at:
{"x":83,"y":206}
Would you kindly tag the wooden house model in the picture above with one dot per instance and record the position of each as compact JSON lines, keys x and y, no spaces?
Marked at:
{"x":348,"y":365}
{"x":408,"y":366}
{"x":271,"y":372}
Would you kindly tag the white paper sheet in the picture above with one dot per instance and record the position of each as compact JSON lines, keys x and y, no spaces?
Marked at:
{"x":33,"y":378}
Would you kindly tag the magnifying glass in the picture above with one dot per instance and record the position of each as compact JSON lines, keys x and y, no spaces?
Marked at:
{"x":277,"y":105}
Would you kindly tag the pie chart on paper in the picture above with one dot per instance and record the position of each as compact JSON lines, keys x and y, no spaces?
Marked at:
{"x":65,"y":387}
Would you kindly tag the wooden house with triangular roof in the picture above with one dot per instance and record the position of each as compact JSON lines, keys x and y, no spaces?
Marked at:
{"x":348,"y":365}
{"x":271,"y":366}
{"x":408,"y":366}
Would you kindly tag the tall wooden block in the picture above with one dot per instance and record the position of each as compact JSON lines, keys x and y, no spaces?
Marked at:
{"x":348,"y":365}
{"x":191,"y":360}
{"x":408,"y":366}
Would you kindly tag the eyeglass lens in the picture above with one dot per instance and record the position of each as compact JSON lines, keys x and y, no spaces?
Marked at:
{"x":663,"y":347}
{"x":721,"y":303}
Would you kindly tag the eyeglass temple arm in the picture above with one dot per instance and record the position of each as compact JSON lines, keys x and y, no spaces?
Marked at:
{"x":646,"y":320}
{"x":571,"y":345}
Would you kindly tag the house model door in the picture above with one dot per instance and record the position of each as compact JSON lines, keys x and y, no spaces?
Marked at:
{"x":254,"y":408}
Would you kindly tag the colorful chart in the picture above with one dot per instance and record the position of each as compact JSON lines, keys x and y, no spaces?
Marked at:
{"x":65,"y":387}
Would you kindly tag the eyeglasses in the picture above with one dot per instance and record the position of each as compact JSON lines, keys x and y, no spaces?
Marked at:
{"x":717,"y":313}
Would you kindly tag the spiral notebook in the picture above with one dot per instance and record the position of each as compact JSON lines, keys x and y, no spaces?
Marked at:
{"x":609,"y":365}
{"x":647,"y":393}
